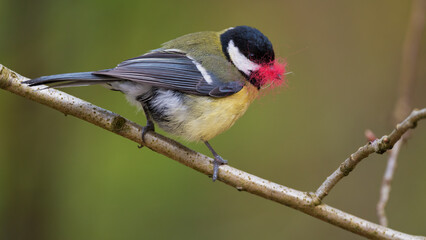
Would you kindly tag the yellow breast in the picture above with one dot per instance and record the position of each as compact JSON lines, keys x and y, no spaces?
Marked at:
{"x":211,"y":116}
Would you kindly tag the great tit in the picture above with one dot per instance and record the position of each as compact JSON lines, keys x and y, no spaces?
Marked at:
{"x":195,"y":86}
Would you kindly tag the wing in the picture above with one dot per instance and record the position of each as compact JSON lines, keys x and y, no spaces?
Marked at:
{"x":172,"y":70}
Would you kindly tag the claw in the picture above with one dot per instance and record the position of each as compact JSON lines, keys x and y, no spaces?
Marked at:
{"x":149,"y":124}
{"x":149,"y":127}
{"x":218,"y":160}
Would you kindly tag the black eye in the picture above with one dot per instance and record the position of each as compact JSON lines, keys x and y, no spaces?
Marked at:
{"x":251,"y":55}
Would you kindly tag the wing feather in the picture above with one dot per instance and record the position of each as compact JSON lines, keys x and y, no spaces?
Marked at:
{"x":171,"y":70}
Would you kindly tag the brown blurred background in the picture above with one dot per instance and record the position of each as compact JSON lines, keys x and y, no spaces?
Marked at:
{"x":62,"y":178}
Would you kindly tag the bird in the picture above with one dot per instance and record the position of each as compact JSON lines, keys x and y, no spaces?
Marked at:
{"x":195,"y":86}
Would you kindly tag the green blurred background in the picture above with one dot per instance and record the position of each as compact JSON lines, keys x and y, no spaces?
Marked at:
{"x":62,"y":178}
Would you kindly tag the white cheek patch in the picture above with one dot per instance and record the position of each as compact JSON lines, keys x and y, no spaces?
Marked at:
{"x":240,"y":61}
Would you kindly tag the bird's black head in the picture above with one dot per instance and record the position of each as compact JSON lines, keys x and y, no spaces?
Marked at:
{"x":247,"y":48}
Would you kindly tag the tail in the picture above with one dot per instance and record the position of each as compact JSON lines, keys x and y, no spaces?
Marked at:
{"x":71,"y":80}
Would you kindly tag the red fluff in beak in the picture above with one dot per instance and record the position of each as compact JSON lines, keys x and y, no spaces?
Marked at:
{"x":270,"y":74}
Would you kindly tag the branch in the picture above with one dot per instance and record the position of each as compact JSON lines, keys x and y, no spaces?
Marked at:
{"x":302,"y":201}
{"x":403,"y":105}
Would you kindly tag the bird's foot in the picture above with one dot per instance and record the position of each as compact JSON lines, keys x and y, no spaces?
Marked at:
{"x":218,"y":160}
{"x":149,"y":127}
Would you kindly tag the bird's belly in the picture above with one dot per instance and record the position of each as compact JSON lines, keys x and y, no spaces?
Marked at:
{"x":202,"y":118}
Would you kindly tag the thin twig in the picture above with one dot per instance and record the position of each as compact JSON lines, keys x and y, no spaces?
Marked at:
{"x":302,"y":201}
{"x":409,"y":61}
{"x":379,"y":146}
{"x":403,"y":105}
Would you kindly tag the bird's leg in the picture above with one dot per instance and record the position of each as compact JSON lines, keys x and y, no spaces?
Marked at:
{"x":149,"y":124}
{"x":218,"y":160}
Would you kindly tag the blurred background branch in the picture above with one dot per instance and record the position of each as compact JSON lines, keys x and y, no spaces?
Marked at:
{"x":409,"y":67}
{"x":387,"y":181}
{"x":242,"y":181}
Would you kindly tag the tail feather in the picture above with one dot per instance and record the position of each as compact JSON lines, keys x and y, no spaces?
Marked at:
{"x":71,"y":80}
{"x":80,"y":83}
